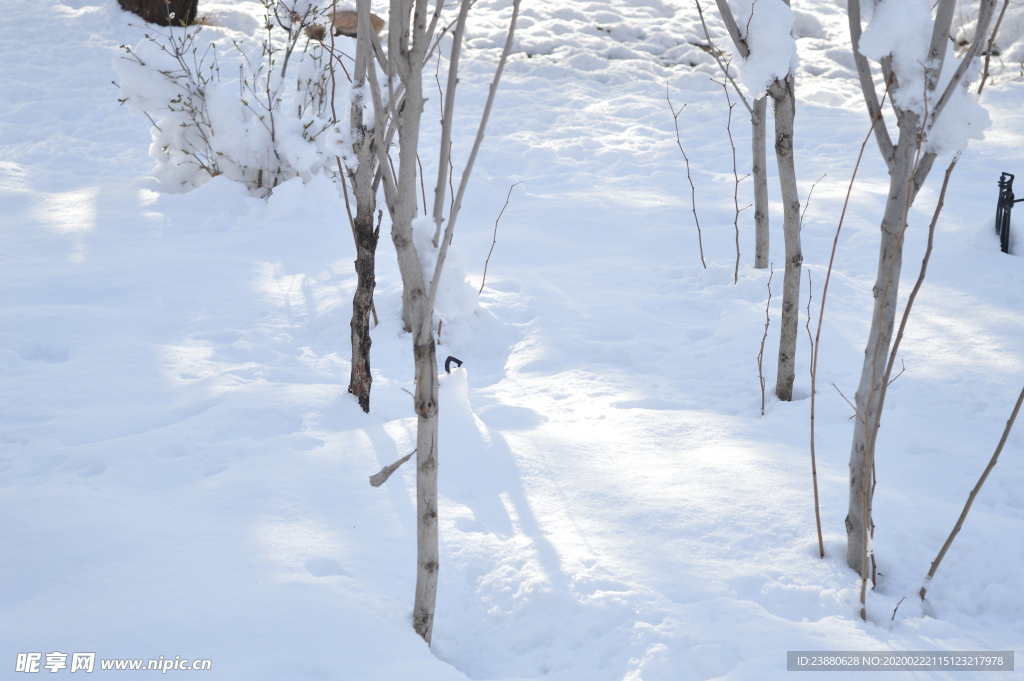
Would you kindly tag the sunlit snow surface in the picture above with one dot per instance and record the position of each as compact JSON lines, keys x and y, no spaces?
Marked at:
{"x":184,"y":474}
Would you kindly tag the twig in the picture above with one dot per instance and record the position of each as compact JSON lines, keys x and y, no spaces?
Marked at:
{"x":807,"y":203}
{"x":378,"y":479}
{"x":749,"y":19}
{"x":897,"y":608}
{"x":899,"y":374}
{"x":693,"y":190}
{"x":985,"y":10}
{"x":970,"y":499}
{"x":807,"y":324}
{"x":423,"y":187}
{"x":767,"y":322}
{"x":450,"y":227}
{"x":495,"y":239}
{"x":814,"y":466}
{"x":373,"y":306}
{"x":816,"y":345}
{"x":716,"y":53}
{"x":736,"y":181}
{"x":855,"y":412}
{"x":343,"y":178}
{"x":150,"y":119}
{"x":447,"y":117}
{"x":991,"y":44}
{"x":906,"y":315}
{"x":451,"y":182}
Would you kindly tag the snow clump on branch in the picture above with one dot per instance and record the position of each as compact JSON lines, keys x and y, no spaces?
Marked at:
{"x":455,"y":295}
{"x":903,"y":29}
{"x":767,"y":27}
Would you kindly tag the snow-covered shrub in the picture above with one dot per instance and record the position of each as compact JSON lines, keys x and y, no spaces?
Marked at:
{"x":256,"y":108}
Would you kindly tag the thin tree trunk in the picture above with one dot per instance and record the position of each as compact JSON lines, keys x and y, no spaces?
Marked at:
{"x":859,"y":525}
{"x":427,"y":554}
{"x":785,"y":112}
{"x":408,"y":39}
{"x":407,"y":43}
{"x":364,"y":188}
{"x":758,"y":121}
{"x":907,"y":174}
{"x":360,"y":378}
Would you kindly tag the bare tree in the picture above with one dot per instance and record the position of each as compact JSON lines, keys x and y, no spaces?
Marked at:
{"x":409,"y":41}
{"x":782,"y":92}
{"x":909,"y":163}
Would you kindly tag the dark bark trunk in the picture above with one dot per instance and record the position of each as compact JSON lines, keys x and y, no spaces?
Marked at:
{"x":364,"y":187}
{"x":366,"y":237}
{"x":163,"y":12}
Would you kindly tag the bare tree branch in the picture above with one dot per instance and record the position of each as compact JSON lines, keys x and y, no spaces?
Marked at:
{"x":939,"y":43}
{"x":716,"y":53}
{"x":378,"y":479}
{"x":450,"y":228}
{"x":991,"y":45}
{"x":767,"y":323}
{"x":448,"y":115}
{"x":985,"y":11}
{"x":693,"y":190}
{"x":970,"y":498}
{"x":867,"y":85}
{"x":494,"y":240}
{"x":730,"y":25}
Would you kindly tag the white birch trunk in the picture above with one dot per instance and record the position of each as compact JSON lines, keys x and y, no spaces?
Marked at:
{"x":785,"y":112}
{"x":408,"y":39}
{"x":758,"y":122}
{"x":907,"y":173}
{"x":407,"y":44}
{"x":859,"y":525}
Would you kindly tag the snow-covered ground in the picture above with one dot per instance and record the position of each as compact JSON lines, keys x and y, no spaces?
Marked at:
{"x":184,"y":474}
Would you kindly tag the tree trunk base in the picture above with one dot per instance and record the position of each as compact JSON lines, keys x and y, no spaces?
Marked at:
{"x":163,"y":12}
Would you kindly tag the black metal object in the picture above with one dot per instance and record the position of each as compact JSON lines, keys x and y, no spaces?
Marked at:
{"x":448,"y":363}
{"x":1003,"y":209}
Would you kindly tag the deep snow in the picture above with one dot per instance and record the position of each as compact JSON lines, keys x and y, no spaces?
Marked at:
{"x":183,"y":472}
